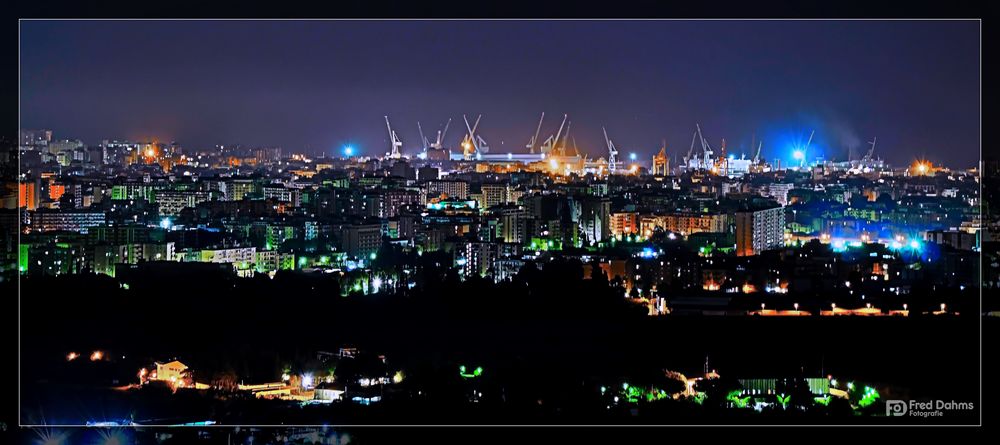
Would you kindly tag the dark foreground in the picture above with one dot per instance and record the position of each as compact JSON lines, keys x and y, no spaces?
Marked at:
{"x":542,"y":364}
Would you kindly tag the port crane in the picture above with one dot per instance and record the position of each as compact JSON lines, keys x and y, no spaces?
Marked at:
{"x":612,"y":153}
{"x":422,"y":137}
{"x":473,"y":142}
{"x":396,"y":144}
{"x":550,"y":143}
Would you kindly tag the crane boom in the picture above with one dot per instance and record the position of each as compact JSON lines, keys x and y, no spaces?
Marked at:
{"x":559,"y":133}
{"x":442,"y":134}
{"x":690,"y":152}
{"x":534,"y":139}
{"x":566,"y":137}
{"x":471,"y":129}
{"x":705,"y":147}
{"x":422,"y":137}
{"x":396,"y":144}
{"x":612,"y":153}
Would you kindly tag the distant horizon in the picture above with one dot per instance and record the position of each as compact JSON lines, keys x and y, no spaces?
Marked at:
{"x":315,"y":87}
{"x":411,"y":152}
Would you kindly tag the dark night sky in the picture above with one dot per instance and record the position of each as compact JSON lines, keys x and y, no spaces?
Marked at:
{"x":317,"y":85}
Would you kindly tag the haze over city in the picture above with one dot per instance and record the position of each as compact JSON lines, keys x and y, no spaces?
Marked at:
{"x":318,"y":86}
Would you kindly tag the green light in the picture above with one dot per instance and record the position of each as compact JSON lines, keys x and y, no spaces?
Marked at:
{"x":699,"y":398}
{"x":475,"y":373}
{"x":870,"y":396}
{"x":783,"y":399}
{"x":357,"y":286}
{"x":632,"y":394}
{"x":740,"y":402}
{"x":372,"y":256}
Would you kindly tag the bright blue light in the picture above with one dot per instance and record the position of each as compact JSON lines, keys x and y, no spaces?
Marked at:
{"x":632,"y":156}
{"x":348,"y":150}
{"x":799,"y":155}
{"x":165,"y":223}
{"x":914,"y":244}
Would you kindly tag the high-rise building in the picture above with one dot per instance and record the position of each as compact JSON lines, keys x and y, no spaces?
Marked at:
{"x":476,"y":258}
{"x":27,"y":195}
{"x":453,"y":189}
{"x":171,"y":202}
{"x":281,"y":193}
{"x":624,"y":223}
{"x":428,"y":173}
{"x":595,"y":218}
{"x":35,"y":137}
{"x":72,"y":221}
{"x":404,"y":170}
{"x":685,"y":223}
{"x":759,"y":229}
{"x":387,"y":203}
{"x":236,"y":189}
{"x":778,"y":191}
{"x":361,"y":240}
{"x":494,"y":194}
{"x":56,"y":190}
{"x":511,"y":222}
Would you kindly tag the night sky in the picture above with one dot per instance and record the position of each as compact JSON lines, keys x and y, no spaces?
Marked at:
{"x":317,"y":85}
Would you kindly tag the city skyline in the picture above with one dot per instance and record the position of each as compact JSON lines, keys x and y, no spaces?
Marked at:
{"x":295,"y":224}
{"x":292,"y":89}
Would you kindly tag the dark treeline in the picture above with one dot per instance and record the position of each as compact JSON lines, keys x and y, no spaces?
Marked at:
{"x":549,"y":333}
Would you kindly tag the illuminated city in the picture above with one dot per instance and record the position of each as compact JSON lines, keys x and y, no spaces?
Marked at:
{"x":557,"y":267}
